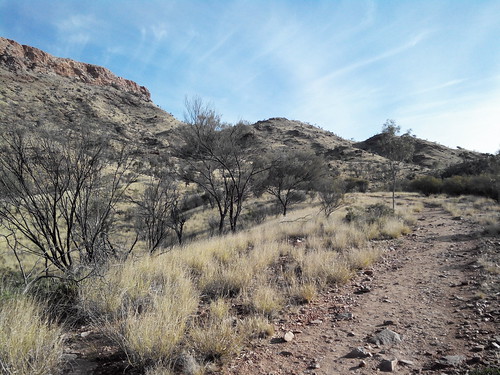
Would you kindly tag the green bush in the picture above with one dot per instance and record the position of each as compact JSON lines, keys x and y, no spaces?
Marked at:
{"x":482,"y":185}
{"x":353,"y":184}
{"x":427,"y":185}
{"x":455,"y":185}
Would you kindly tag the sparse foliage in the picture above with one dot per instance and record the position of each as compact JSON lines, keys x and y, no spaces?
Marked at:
{"x":291,"y":173}
{"x":214,"y":160}
{"x":160,"y":211}
{"x":397,"y":149}
{"x":59,"y":200}
{"x":331,"y":195}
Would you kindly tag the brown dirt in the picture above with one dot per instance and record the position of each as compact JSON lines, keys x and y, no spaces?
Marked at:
{"x":429,"y":288}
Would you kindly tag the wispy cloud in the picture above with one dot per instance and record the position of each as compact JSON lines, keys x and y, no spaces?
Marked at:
{"x":77,"y":28}
{"x":155,"y":33}
{"x":411,"y":43}
{"x":440,"y":86}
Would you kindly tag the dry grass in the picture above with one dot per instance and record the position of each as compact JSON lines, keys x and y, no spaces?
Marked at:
{"x":489,"y":265}
{"x":303,"y":292}
{"x":256,"y":327}
{"x":29,"y":343}
{"x":144,"y":307}
{"x":267,"y":300}
{"x":215,"y":339}
{"x":484,"y":211}
{"x":363,"y":258}
{"x":147,"y":305}
{"x":393,"y":227}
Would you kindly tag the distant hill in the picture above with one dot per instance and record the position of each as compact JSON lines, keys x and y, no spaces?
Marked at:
{"x":427,"y":154}
{"x":40,"y":91}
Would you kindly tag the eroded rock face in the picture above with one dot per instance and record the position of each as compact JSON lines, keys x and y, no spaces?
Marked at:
{"x":20,"y":58}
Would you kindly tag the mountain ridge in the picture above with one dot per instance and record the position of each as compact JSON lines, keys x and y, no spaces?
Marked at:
{"x":19,"y":57}
{"x":38,"y":89}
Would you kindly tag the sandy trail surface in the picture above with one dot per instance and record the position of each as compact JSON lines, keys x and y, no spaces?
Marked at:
{"x":437,"y":306}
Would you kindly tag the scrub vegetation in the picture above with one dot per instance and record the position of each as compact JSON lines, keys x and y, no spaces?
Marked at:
{"x":184,"y":264}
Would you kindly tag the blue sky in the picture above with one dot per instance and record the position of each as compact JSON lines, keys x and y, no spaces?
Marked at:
{"x":347,"y":66}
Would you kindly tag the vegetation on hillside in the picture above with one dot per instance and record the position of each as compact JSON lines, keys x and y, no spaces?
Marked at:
{"x":192,"y":255}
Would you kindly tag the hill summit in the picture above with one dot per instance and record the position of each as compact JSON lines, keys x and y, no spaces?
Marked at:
{"x":21,"y":58}
{"x":40,"y":91}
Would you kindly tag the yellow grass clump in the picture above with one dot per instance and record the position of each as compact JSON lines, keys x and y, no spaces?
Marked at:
{"x":144,"y":306}
{"x":29,"y":343}
{"x":267,"y":300}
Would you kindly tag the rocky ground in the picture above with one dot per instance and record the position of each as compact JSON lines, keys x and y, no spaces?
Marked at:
{"x":430,"y":306}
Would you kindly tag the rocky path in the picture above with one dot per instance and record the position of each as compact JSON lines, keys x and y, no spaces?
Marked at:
{"x":422,"y":309}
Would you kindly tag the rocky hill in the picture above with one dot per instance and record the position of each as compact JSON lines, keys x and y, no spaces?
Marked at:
{"x":40,"y":91}
{"x":427,"y":154}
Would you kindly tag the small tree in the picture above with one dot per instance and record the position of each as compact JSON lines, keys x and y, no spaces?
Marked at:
{"x":289,"y":173}
{"x":397,"y":149}
{"x":331,"y":195}
{"x":214,"y":159}
{"x":160,"y":210}
{"x":58,"y":200}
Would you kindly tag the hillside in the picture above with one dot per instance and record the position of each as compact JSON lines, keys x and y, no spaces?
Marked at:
{"x":40,"y":91}
{"x":427,"y":154}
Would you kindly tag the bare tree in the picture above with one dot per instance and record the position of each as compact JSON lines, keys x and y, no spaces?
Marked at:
{"x":160,"y":211}
{"x":397,"y":149}
{"x":291,"y":173}
{"x":214,"y":160}
{"x":58,"y":200}
{"x":331,"y":195}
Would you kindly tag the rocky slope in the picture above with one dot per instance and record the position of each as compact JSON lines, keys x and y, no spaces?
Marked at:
{"x":427,"y":154}
{"x":21,"y":59}
{"x":40,"y":91}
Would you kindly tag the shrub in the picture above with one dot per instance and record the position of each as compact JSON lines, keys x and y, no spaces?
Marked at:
{"x":353,"y":184}
{"x":427,"y":185}
{"x":455,"y":185}
{"x":482,"y":185}
{"x":29,"y":343}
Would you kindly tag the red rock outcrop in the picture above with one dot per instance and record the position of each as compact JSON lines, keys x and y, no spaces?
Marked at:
{"x":18,"y":58}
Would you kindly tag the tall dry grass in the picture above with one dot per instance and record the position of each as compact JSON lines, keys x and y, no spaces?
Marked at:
{"x":156,"y":307}
{"x":29,"y":343}
{"x":144,"y":306}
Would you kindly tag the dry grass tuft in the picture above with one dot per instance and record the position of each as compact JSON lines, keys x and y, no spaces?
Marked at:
{"x":144,"y":307}
{"x":325,"y":268}
{"x":304,"y":293}
{"x":363,"y":258}
{"x":267,"y":300}
{"x":255,"y":327}
{"x":29,"y":344}
{"x":393,"y":227}
{"x":215,"y":339}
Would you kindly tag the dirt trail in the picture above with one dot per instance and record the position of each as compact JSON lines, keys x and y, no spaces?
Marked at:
{"x":428,"y":289}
